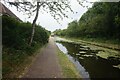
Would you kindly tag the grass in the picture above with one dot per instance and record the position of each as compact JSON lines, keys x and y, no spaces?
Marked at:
{"x":107,"y":52}
{"x":111,"y":44}
{"x":68,"y":68}
{"x":16,"y":52}
{"x":14,"y":65}
{"x":29,"y":61}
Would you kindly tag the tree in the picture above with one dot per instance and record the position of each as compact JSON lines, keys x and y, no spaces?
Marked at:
{"x":100,"y":21}
{"x":56,"y":8}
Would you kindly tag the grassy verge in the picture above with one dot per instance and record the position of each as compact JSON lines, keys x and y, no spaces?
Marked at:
{"x":110,"y":44}
{"x":14,"y":65}
{"x":68,"y":68}
{"x":107,"y":50}
{"x":27,"y":63}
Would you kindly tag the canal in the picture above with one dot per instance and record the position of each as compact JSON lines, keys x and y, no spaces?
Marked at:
{"x":88,"y":63}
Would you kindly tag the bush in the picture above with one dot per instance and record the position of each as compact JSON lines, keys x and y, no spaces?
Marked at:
{"x":100,"y":21}
{"x":15,"y":37}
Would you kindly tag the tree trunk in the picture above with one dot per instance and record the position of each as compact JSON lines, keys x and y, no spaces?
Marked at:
{"x":34,"y":23}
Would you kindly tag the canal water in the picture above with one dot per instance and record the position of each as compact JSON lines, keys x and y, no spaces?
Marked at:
{"x":88,"y":63}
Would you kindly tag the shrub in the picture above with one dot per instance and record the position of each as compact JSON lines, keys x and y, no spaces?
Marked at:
{"x":15,"y":37}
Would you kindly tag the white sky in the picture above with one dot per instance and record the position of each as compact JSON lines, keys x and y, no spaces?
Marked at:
{"x":48,"y":22}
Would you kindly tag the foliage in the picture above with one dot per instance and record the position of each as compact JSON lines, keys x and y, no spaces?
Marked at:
{"x":100,"y":21}
{"x":15,"y":42}
{"x":57,"y":9}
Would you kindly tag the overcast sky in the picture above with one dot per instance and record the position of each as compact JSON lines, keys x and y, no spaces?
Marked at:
{"x":48,"y":22}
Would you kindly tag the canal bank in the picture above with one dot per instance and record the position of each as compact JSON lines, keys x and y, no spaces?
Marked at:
{"x":88,"y":60}
{"x":68,"y":68}
{"x":107,"y":52}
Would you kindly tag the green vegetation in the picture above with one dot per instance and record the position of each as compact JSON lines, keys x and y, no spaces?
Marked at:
{"x":15,"y":38}
{"x":110,"y":44}
{"x":108,"y":50}
{"x":68,"y":68}
{"x":100,"y":23}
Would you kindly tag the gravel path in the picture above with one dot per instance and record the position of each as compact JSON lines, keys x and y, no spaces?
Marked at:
{"x":46,"y":63}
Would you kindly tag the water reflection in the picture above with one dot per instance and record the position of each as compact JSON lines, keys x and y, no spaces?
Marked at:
{"x":79,"y":67}
{"x":89,"y":64}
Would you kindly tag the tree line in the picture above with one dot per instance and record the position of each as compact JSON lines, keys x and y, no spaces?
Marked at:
{"x":100,"y":21}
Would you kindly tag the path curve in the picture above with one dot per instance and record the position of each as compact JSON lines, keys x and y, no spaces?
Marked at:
{"x":46,"y":64}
